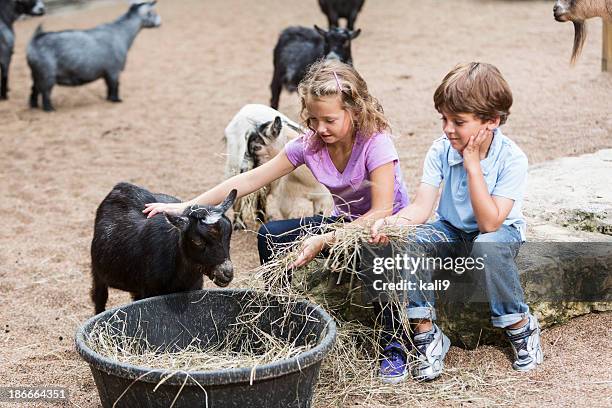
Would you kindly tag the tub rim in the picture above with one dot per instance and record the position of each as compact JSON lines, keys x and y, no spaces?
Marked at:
{"x":211,"y":377}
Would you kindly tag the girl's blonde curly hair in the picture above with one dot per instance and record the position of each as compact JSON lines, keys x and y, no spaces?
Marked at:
{"x":332,"y":77}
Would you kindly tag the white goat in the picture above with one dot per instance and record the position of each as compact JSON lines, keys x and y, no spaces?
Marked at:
{"x":298,"y":194}
{"x":255,"y":135}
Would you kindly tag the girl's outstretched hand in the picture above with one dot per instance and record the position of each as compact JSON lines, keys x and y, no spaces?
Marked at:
{"x":169,"y":208}
{"x":376,"y":236}
{"x":310,"y":248}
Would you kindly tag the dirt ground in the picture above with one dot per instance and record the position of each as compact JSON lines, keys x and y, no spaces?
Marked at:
{"x":183,"y":83}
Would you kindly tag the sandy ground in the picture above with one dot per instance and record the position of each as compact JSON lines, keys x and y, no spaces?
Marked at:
{"x":182,"y":84}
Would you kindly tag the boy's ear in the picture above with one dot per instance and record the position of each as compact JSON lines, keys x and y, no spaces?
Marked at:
{"x":493,"y":123}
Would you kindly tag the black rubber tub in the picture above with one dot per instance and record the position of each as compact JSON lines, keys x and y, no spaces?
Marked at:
{"x":175,"y":320}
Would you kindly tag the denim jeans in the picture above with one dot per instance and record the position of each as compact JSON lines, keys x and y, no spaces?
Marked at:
{"x":497,"y":251}
{"x":276,"y":233}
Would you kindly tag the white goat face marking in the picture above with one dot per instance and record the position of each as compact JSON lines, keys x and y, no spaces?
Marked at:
{"x":39,"y":7}
{"x":211,"y":216}
{"x":332,"y":56}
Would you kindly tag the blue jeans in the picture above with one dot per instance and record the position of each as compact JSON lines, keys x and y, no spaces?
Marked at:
{"x":497,"y":251}
{"x":277,"y":233}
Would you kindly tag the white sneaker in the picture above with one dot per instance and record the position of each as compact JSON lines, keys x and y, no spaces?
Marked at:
{"x":427,"y":357}
{"x":526,"y":344}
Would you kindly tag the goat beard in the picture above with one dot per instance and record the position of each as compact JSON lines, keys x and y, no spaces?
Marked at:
{"x":579,"y":38}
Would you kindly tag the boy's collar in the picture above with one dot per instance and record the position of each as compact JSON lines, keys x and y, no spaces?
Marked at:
{"x":455,"y":157}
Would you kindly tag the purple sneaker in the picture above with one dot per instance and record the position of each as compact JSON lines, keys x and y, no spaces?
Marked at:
{"x":393,"y":367}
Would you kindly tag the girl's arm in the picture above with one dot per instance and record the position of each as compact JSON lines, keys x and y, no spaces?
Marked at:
{"x":383,"y":184}
{"x":245,"y":183}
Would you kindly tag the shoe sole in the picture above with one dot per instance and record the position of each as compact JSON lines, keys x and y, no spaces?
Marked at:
{"x":428,"y":377}
{"x":394,"y":380}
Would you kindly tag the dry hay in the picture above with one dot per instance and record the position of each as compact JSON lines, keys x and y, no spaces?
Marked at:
{"x":109,"y":338}
{"x":248,"y":205}
{"x":349,"y":374}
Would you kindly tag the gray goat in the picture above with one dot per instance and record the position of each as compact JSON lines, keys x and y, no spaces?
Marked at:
{"x":76,"y":57}
{"x":10,"y":10}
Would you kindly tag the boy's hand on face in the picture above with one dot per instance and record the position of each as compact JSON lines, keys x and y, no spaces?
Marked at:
{"x":471,"y":153}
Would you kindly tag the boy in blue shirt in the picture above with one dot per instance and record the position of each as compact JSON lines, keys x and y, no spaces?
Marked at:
{"x":484,"y":175}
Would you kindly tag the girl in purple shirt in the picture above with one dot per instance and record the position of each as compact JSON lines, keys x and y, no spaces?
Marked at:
{"x":348,"y":150}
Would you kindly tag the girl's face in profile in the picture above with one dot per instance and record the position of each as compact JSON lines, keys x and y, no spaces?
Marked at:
{"x":328,"y":118}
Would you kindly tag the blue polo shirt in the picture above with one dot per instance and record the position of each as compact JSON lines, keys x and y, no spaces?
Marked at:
{"x":504,"y":170}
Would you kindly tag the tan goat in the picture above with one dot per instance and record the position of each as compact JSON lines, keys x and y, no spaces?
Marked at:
{"x":577,"y":11}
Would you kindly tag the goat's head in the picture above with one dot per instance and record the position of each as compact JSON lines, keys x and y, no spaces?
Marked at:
{"x":146,"y":12}
{"x":205,"y":238}
{"x":566,"y":10}
{"x":30,"y":7}
{"x":338,"y":43}
{"x":262,"y":144}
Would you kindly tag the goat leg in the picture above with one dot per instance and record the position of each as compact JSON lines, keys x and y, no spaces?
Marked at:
{"x":276,"y":87}
{"x":46,"y":100}
{"x":99,"y":294}
{"x":34,"y":97}
{"x":3,"y":81}
{"x":351,"y":20}
{"x":112,"y":84}
{"x":332,"y":19}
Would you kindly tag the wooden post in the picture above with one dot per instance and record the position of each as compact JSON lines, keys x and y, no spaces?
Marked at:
{"x":606,"y":52}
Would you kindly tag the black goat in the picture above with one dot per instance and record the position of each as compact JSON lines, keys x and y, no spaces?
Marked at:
{"x":299,"y":47}
{"x":335,"y":9}
{"x":76,"y":57}
{"x":10,"y":10}
{"x":160,"y":255}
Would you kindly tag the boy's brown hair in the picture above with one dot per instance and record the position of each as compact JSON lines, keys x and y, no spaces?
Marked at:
{"x":476,"y":88}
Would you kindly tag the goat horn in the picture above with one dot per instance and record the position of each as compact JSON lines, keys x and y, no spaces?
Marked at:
{"x":229,"y":200}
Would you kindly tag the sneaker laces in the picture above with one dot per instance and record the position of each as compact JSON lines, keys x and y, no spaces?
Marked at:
{"x":519,"y":340}
{"x":422,"y":340}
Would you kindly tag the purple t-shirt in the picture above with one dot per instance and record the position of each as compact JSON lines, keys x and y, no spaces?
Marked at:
{"x":351,"y":189}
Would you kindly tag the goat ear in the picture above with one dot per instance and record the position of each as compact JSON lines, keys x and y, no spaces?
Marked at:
{"x":229,"y":201}
{"x":355,"y":34}
{"x":277,"y":126}
{"x":152,"y":3}
{"x":320,"y":30}
{"x":178,"y":221}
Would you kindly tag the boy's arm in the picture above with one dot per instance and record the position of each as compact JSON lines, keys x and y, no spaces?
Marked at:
{"x":418,"y":212}
{"x":491,"y":210}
